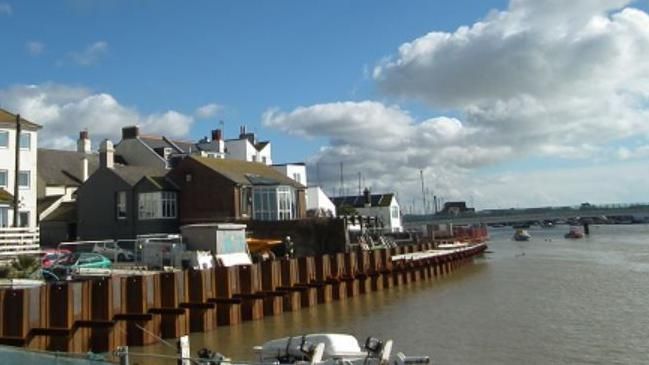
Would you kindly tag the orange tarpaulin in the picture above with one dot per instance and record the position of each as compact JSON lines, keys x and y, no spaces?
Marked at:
{"x":261,"y":244}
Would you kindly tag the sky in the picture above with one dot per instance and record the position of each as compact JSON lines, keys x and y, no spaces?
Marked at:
{"x":502,"y":104}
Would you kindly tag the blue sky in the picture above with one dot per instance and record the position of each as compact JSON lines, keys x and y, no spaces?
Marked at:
{"x":249,"y":57}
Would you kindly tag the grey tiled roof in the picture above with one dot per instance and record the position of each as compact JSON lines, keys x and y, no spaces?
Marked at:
{"x":56,"y":167}
{"x":133,"y":174}
{"x":161,"y":142}
{"x":43,"y":203}
{"x":66,"y":212}
{"x":247,"y":173}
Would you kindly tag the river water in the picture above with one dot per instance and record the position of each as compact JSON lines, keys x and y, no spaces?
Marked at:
{"x":546,"y":301}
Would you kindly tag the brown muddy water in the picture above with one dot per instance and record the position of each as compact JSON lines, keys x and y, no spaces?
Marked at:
{"x":546,"y":301}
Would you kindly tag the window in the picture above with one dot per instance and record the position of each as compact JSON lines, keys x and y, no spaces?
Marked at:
{"x":297,"y":177}
{"x":23,"y":179}
{"x":3,"y":178}
{"x":276,"y":203}
{"x":4,"y":217}
{"x":245,"y":201}
{"x":157,"y":205}
{"x":23,"y":219}
{"x":25,"y":140}
{"x":4,"y":139}
{"x":395,"y":212}
{"x":120,"y":205}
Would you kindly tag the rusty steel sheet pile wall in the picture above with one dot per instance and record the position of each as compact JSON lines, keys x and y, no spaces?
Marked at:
{"x":101,"y":314}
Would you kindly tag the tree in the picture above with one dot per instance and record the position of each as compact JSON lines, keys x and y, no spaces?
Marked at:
{"x":24,"y":266}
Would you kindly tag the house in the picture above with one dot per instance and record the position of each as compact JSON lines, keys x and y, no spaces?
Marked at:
{"x":318,"y":203}
{"x":218,"y":190}
{"x":60,"y":173}
{"x":121,"y":202}
{"x":247,"y":148}
{"x":26,"y":194}
{"x":383,"y":206}
{"x":296,"y":171}
{"x":455,"y":208}
{"x":153,"y":151}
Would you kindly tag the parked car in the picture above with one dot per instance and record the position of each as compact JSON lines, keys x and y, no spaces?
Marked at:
{"x":107,"y":248}
{"x":113,"y":251}
{"x":79,"y":260}
{"x":50,"y":256}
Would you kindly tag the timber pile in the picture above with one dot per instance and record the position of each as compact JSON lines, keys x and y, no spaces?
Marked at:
{"x":100,"y":314}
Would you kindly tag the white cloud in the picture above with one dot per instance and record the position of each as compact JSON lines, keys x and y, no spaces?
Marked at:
{"x":541,"y":73}
{"x":5,"y":9}
{"x":65,"y":110}
{"x":549,"y":79}
{"x":34,"y":48}
{"x":91,"y":54}
{"x":207,"y":111}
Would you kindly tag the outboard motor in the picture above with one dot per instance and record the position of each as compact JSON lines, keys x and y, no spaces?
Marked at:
{"x":209,"y":357}
{"x":373,"y":346}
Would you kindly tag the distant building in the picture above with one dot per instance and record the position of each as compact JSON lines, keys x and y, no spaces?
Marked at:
{"x":383,"y":206}
{"x":119,"y":201}
{"x":247,"y":148}
{"x":27,"y":191}
{"x":217,"y":190}
{"x":455,"y":208}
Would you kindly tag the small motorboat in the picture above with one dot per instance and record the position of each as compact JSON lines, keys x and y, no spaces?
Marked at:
{"x":522,"y":235}
{"x":331,"y":348}
{"x":574,"y":233}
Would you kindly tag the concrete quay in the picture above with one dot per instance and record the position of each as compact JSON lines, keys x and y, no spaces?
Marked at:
{"x":101,"y":314}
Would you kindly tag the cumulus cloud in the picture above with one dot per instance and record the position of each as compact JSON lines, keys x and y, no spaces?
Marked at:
{"x":207,"y":111}
{"x":540,"y":72}
{"x":65,"y":110}
{"x":90,"y":55}
{"x":549,"y":79}
{"x":5,"y":9}
{"x":34,"y":48}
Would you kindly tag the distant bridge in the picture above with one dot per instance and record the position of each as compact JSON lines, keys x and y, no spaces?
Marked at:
{"x":527,"y":215}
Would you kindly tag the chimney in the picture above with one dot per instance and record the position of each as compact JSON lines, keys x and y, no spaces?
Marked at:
{"x":106,"y":153}
{"x":84,"y":169}
{"x":216,"y":135}
{"x":83,"y":144}
{"x":131,"y":132}
{"x":367,"y":197}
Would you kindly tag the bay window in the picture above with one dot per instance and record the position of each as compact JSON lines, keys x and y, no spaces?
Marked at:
{"x":274,"y":203}
{"x":157,"y":205}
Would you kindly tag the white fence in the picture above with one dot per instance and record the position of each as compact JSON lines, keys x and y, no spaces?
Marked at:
{"x":18,"y":241}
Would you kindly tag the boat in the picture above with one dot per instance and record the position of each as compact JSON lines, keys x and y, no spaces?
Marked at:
{"x":522,"y":235}
{"x":574,"y":233}
{"x":331,"y":348}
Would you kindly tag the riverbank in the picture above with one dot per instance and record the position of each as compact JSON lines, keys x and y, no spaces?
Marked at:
{"x":101,"y":314}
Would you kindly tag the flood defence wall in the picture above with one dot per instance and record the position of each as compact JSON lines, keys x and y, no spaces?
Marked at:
{"x":101,"y":314}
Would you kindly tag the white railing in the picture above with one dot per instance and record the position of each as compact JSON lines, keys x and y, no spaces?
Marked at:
{"x":18,"y":241}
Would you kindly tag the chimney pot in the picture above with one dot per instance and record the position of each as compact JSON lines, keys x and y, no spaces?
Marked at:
{"x":217,"y":135}
{"x":83,"y":144}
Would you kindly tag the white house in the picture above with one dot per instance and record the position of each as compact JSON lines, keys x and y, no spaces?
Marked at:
{"x":296,"y":171}
{"x":27,"y":194}
{"x":318,"y":201}
{"x":383,"y":206}
{"x":247,"y":148}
